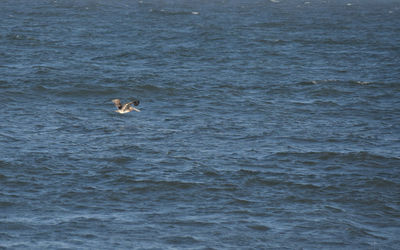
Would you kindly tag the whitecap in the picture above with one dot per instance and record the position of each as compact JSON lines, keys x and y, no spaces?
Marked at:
{"x":363,"y":83}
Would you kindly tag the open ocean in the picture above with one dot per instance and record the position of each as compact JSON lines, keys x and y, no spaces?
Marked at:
{"x":264,"y":124}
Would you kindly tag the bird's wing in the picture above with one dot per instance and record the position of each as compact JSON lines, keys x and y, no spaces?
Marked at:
{"x":126,"y":105}
{"x":117,"y":103}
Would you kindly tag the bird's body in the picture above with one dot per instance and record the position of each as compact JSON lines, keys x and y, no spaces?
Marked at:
{"x":126,"y":108}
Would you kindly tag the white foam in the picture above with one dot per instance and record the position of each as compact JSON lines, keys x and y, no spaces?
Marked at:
{"x":363,"y":82}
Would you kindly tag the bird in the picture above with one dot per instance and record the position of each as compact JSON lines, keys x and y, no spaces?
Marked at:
{"x":126,"y":108}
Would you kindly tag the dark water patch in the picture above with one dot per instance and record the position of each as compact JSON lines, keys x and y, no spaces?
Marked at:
{"x":117,"y":160}
{"x":163,"y":185}
{"x":260,"y":228}
{"x":8,"y":137}
{"x":222,"y":187}
{"x":11,"y":225}
{"x":180,"y":240}
{"x":362,"y":157}
{"x":88,"y":91}
{"x":22,"y":39}
{"x":121,"y":55}
{"x":5,"y":204}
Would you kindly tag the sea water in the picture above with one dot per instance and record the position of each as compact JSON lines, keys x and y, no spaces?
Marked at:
{"x":264,"y":124}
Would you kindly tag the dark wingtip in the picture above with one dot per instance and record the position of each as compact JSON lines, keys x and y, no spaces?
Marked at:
{"x":136,"y":102}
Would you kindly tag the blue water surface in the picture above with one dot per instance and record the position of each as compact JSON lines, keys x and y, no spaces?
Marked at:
{"x":263,"y":124}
